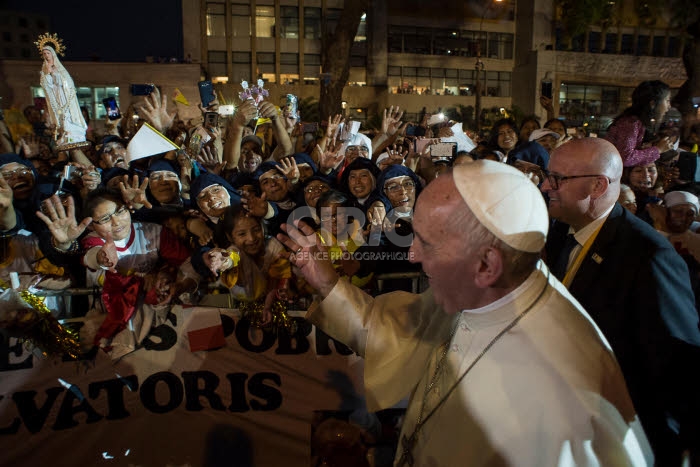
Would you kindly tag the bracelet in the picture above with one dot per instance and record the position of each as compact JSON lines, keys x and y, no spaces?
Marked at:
{"x":72,"y":249}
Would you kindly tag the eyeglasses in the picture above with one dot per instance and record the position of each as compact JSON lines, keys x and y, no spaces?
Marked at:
{"x":8,"y":174}
{"x":163,"y":175}
{"x":357,"y":148}
{"x":119,"y":213}
{"x":555,"y":180}
{"x":408,"y":185}
{"x":316,"y":189}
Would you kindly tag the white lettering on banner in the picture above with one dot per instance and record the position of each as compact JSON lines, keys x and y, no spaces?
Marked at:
{"x":163,"y":404}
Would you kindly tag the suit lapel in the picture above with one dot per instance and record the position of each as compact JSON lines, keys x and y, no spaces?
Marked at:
{"x":600,"y":252}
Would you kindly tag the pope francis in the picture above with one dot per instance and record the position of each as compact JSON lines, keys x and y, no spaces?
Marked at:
{"x":501,"y":364}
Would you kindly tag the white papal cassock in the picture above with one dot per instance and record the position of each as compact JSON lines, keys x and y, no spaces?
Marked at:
{"x":548,"y":392}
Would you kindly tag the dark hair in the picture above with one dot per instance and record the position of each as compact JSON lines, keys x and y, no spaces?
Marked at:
{"x":228,"y":222}
{"x":493,"y":140}
{"x":642,"y":98}
{"x":530,"y":118}
{"x":97,"y":196}
{"x":332,"y":196}
{"x":552,"y":120}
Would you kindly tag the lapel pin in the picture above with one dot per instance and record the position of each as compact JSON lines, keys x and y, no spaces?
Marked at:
{"x":596,"y":257}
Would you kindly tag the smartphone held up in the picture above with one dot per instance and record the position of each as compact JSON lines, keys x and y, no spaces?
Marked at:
{"x":111,"y":108}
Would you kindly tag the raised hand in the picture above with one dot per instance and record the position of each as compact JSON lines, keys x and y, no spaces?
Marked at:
{"x":134,"y":195}
{"x":288,"y":168}
{"x":209,"y":158}
{"x":333,"y":125}
{"x":391,"y":121}
{"x":30,"y":144}
{"x":244,"y":113}
{"x":107,"y":256}
{"x":267,"y":110}
{"x":217,"y":260}
{"x":155,"y":110}
{"x":396,"y":155}
{"x":6,"y":196}
{"x":331,"y":157}
{"x":308,"y":255}
{"x":61,"y":221}
{"x":255,"y":206}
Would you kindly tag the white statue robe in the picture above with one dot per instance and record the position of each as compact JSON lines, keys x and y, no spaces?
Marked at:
{"x":548,"y":392}
{"x":63,"y":107}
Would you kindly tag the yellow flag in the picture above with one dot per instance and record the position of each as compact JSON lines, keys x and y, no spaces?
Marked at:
{"x":180,"y":97}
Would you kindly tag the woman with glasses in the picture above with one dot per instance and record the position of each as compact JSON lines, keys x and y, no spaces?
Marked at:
{"x":124,"y":256}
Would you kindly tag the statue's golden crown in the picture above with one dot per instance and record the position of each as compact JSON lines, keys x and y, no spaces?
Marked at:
{"x":50,"y":40}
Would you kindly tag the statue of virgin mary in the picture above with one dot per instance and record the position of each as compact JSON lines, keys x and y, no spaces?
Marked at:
{"x":64,"y":113}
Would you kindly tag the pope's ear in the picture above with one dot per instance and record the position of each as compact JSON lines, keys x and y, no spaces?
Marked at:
{"x":490,"y":269}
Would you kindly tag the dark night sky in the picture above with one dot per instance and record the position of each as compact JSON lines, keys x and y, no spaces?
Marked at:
{"x":124,"y":30}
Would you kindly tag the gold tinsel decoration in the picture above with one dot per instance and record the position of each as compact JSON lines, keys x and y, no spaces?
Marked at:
{"x":46,"y":333}
{"x":253,"y":311}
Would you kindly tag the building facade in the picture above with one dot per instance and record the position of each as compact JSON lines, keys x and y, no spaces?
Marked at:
{"x":420,"y":56}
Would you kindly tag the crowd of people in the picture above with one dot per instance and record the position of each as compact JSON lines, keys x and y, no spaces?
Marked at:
{"x":157,"y":231}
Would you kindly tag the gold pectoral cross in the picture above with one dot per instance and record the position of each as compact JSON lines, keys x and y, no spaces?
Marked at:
{"x":407,"y":446}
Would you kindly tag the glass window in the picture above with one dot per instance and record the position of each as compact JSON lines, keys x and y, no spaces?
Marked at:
{"x":289,"y":22}
{"x":594,"y":38}
{"x":395,"y":40}
{"x":446,"y":42}
{"x":241,"y":57}
{"x":610,"y":43}
{"x":289,"y":59}
{"x":22,"y":22}
{"x":6,"y":36}
{"x":626,"y":46}
{"x":332,"y":17}
{"x":451,"y":73}
{"x":265,"y":21}
{"x":673,"y":47}
{"x":216,"y":19}
{"x":500,"y":46}
{"x":312,"y":59}
{"x":217,"y":62}
{"x":266,"y":57}
{"x":583,"y":104}
{"x":473,"y":40}
{"x":659,"y":47}
{"x":240,"y":20}
{"x":417,"y":41}
{"x":312,"y":23}
{"x":643,"y":45}
{"x":394,"y":71}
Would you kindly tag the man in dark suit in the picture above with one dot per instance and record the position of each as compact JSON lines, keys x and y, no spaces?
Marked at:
{"x":635,"y":287}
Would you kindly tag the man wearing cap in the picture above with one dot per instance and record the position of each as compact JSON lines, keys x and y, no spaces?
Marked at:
{"x":502,"y":365}
{"x":112,"y":153}
{"x":546,"y":138}
{"x":635,"y":287}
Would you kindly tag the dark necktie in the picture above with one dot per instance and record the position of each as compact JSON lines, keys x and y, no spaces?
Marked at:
{"x":559,"y":268}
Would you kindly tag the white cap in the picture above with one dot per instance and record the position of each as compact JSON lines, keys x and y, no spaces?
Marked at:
{"x":542,"y":132}
{"x":506,"y":202}
{"x":382,"y":156}
{"x":674,"y":198}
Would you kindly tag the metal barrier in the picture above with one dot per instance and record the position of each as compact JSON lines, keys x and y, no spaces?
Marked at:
{"x":418,"y":284}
